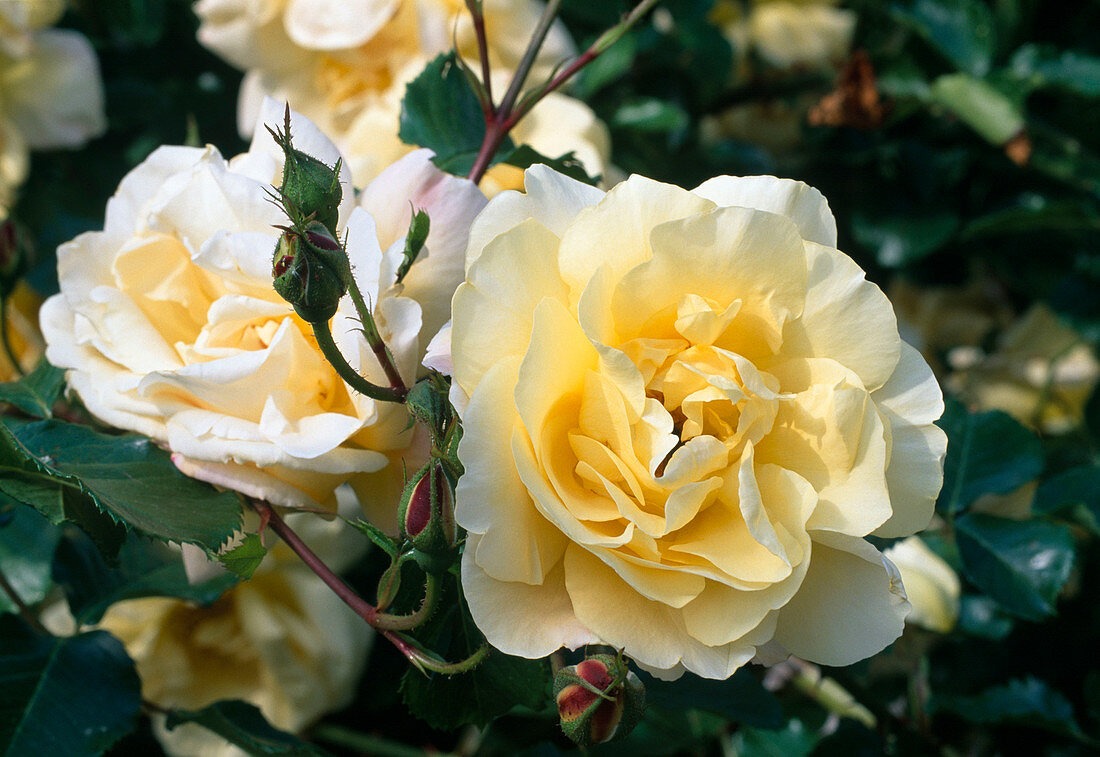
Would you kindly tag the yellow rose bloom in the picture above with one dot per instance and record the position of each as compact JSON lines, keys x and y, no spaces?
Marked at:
{"x":23,"y":334}
{"x":930,"y":584}
{"x":345,"y":65}
{"x":281,"y":641}
{"x":50,"y":91}
{"x":168,"y":323}
{"x":683,"y":412}
{"x":788,"y":34}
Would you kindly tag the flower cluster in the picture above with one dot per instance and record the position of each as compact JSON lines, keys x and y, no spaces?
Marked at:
{"x":168,"y":323}
{"x":50,"y":92}
{"x":345,"y":66}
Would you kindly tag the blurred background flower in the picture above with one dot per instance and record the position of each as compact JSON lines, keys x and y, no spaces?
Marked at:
{"x":51,"y":95}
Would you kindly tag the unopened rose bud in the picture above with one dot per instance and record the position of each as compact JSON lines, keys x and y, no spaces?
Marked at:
{"x":310,"y":188}
{"x":427,"y":517}
{"x":599,"y":700}
{"x":305,"y":280}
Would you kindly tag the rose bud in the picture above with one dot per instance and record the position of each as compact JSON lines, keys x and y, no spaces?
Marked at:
{"x":309,"y":188}
{"x":305,"y":280}
{"x":599,"y":700}
{"x":426,"y":516}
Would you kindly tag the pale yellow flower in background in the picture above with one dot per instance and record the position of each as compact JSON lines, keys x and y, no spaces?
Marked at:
{"x":1042,"y":372}
{"x":788,"y":34}
{"x":51,"y":95}
{"x":23,"y":334}
{"x":281,"y":641}
{"x":930,"y":583}
{"x":168,"y":323}
{"x":345,"y":65}
{"x":683,"y":411}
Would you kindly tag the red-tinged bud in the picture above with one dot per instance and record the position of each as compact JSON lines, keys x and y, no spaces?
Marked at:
{"x":599,"y":700}
{"x":427,"y":517}
{"x":305,"y":280}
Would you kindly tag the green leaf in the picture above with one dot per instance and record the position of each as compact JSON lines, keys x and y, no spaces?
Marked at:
{"x":650,"y":115}
{"x":243,"y":725}
{"x":1028,"y":702}
{"x":981,"y":616}
{"x":1075,"y":492}
{"x":126,"y":476}
{"x":611,"y":64}
{"x":491,"y":689}
{"x":987,"y":453}
{"x":244,"y":558}
{"x":1021,"y":564}
{"x":1034,"y":214}
{"x":898,"y":240}
{"x":990,"y":113}
{"x":27,"y":544}
{"x":1047,"y":66}
{"x":494,"y":687}
{"x":741,"y":698}
{"x":72,"y":696}
{"x":568,"y":164}
{"x":961,"y":30}
{"x":795,"y":740}
{"x":376,"y":535}
{"x":36,"y":392}
{"x":440,"y":111}
{"x":145,"y":568}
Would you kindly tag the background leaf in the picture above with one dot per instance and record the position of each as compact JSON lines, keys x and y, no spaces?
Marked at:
{"x":1021,"y":564}
{"x":987,"y":453}
{"x":243,"y":725}
{"x":36,"y":392}
{"x":73,"y":696}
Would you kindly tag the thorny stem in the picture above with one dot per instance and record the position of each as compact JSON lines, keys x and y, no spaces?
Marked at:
{"x":374,"y":339}
{"x":387,"y":625}
{"x":478,"y":17}
{"x":8,"y":351}
{"x":505,"y":117}
{"x":24,"y":611}
{"x":323,"y":334}
{"x":529,"y":55}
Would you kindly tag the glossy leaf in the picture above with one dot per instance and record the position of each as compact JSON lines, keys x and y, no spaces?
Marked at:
{"x":127,"y":476}
{"x":36,"y":392}
{"x":244,"y":558}
{"x":961,"y":30}
{"x":243,"y":725}
{"x":1029,"y":702}
{"x":741,"y":698}
{"x":1075,"y":493}
{"x":27,"y":544}
{"x":71,"y":696}
{"x":987,"y":453}
{"x":1021,"y":564}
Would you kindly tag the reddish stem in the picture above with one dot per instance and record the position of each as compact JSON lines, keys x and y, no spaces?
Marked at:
{"x":483,"y":55}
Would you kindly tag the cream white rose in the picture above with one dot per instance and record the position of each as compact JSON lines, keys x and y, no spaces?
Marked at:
{"x":168,"y":323}
{"x":345,"y":64}
{"x":51,"y":95}
{"x":788,"y":34}
{"x":683,"y":413}
{"x":930,"y":583}
{"x":281,"y":641}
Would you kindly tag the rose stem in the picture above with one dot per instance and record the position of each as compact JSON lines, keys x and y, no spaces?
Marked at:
{"x":509,"y":114}
{"x":323,"y":334}
{"x":476,"y":12}
{"x":24,"y":610}
{"x":4,"y":338}
{"x":385,"y":624}
{"x":374,"y":339}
